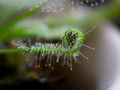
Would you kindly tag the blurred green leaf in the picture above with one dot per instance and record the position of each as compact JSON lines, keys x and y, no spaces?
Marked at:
{"x":7,"y":27}
{"x":10,"y":7}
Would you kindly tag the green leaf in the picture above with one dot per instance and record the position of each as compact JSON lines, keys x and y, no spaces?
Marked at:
{"x":24,"y":15}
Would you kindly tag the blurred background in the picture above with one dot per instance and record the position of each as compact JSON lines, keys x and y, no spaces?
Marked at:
{"x":45,"y":21}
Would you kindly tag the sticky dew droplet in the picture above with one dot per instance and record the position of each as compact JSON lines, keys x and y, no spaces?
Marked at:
{"x":46,"y":65}
{"x":31,"y":9}
{"x":92,"y":5}
{"x":38,"y":66}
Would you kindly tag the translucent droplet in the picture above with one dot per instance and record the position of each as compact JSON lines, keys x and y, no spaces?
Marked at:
{"x":27,"y":49}
{"x":35,"y":66}
{"x":96,"y":3}
{"x":38,"y":66}
{"x":37,"y":5}
{"x":42,"y":10}
{"x":82,"y":3}
{"x":48,"y":10}
{"x":102,"y":1}
{"x":77,"y":5}
{"x":52,"y":53}
{"x":92,"y":5}
{"x":31,"y":9}
{"x":57,"y":61}
{"x":54,"y":10}
{"x":42,"y":7}
{"x":25,"y":43}
{"x":49,"y":65}
{"x":61,"y":9}
{"x":72,"y":8}
{"x":93,"y":48}
{"x":87,"y":1}
{"x":69,"y":5}
{"x":72,"y":3}
{"x":52,"y":68}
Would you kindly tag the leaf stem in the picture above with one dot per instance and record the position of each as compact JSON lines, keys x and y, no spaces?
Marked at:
{"x":12,"y":50}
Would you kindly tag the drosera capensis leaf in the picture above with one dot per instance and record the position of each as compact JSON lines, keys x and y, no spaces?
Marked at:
{"x":72,"y":40}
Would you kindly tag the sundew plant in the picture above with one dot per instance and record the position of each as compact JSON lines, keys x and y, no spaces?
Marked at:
{"x":41,"y":33}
